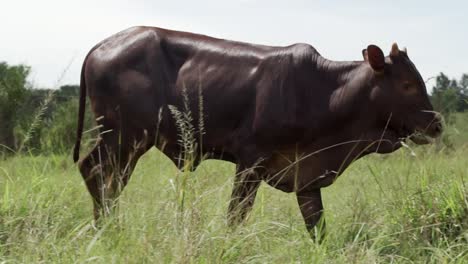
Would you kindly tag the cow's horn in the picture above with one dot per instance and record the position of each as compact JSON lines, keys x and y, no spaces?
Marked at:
{"x":405,"y":50}
{"x":395,"y":51}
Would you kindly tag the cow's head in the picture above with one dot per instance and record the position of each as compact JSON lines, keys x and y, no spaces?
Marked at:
{"x":399,"y":96}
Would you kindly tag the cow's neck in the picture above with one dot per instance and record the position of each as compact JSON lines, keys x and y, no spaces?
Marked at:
{"x":348,"y":82}
{"x":344,"y":99}
{"x":337,"y":73}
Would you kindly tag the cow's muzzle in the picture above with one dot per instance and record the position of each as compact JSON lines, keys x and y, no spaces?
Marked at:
{"x":432,"y":129}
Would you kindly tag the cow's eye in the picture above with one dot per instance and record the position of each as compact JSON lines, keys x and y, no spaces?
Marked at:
{"x":407,"y":86}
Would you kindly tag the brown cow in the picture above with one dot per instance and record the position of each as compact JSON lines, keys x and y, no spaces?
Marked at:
{"x":284,"y":115}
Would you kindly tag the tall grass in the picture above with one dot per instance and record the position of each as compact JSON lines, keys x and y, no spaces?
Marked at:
{"x":398,"y":208}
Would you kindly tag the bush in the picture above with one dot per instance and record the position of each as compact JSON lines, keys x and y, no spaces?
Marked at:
{"x":61,"y":128}
{"x":48,"y":119}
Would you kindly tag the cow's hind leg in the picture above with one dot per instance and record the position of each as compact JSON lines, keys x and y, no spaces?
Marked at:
{"x":108,"y":167}
{"x":135,"y":143}
{"x":245,"y":188}
{"x":310,"y":203}
{"x":98,"y":168}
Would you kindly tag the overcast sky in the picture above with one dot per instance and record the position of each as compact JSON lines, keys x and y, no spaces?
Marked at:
{"x":49,"y":35}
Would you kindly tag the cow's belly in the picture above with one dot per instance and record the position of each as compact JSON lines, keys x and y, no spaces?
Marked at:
{"x":291,"y":172}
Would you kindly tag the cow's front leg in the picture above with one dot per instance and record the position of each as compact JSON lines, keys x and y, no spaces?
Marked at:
{"x":310,"y":203}
{"x":243,"y":195}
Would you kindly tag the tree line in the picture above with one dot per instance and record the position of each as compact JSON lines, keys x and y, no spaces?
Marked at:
{"x":37,"y":120}
{"x":450,"y":95}
{"x":44,"y":120}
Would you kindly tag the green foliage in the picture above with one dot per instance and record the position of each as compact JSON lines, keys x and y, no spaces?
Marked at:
{"x":32,"y":116}
{"x":13,"y":90}
{"x":47,"y":121}
{"x":62,"y":128}
{"x":35,"y":126}
{"x":12,"y":86}
{"x":449,"y":96}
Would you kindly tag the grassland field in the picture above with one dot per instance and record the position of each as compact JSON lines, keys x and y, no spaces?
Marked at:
{"x":407,"y":207}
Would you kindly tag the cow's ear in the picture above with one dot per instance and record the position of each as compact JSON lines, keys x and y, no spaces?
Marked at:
{"x":374,"y":55}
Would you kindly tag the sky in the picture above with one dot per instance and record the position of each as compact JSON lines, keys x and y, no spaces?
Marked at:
{"x":54,"y":36}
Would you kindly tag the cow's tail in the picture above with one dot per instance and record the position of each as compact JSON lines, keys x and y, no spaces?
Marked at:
{"x":81,"y":113}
